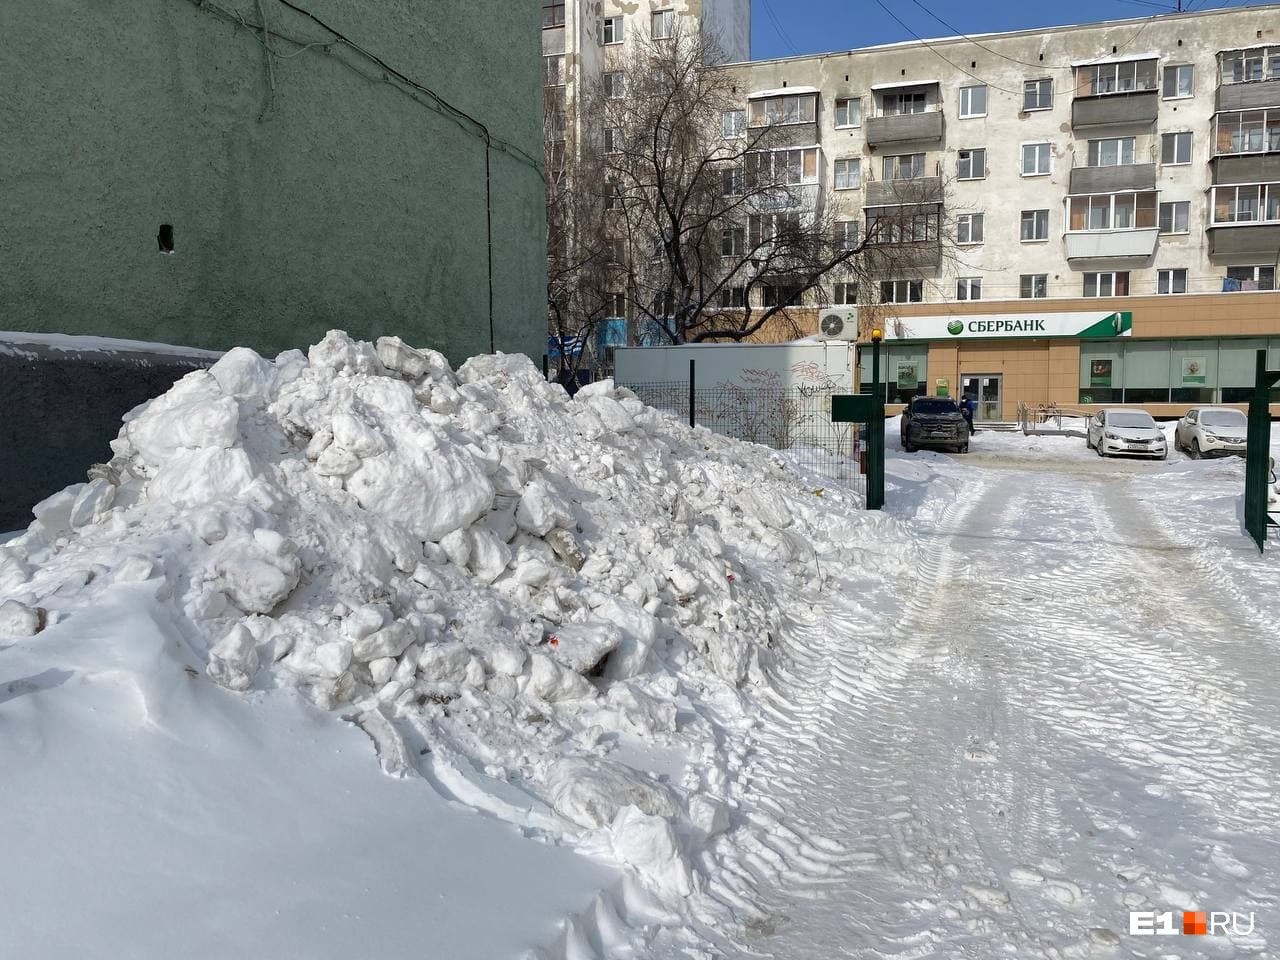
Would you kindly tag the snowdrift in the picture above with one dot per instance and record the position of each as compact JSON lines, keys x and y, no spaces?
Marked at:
{"x":549,"y":609}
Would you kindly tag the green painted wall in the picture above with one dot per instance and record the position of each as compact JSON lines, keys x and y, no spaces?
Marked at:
{"x":305,"y":191}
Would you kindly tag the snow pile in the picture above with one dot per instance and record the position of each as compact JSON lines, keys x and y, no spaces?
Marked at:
{"x":545,"y":607}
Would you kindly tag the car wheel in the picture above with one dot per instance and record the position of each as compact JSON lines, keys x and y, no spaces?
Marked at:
{"x":907,"y":447}
{"x":1088,"y":442}
{"x":1165,"y":455}
{"x":964,"y":448}
{"x":1195,"y":449}
{"x":1098,"y":447}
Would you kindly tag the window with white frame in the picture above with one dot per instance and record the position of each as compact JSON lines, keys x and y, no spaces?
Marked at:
{"x":844,"y":294}
{"x":1112,"y":211}
{"x":1112,"y":152}
{"x":733,"y":182}
{"x":611,"y":30}
{"x":552,"y":14}
{"x":733,"y":123}
{"x":898,"y":225}
{"x":1172,"y":280}
{"x":615,"y":305}
{"x":1175,"y":147}
{"x":901,"y":291}
{"x":1247,"y":203}
{"x":1246,"y":66}
{"x":783,"y":167}
{"x":1036,"y":159}
{"x":845,"y":234}
{"x":969,"y":228}
{"x":971,"y":164}
{"x":903,"y":166}
{"x":849,"y":112}
{"x":968,"y":288}
{"x":733,"y":242}
{"x":1033,"y":286}
{"x":1175,"y":216}
{"x":1037,"y":95}
{"x":848,"y":174}
{"x":553,"y":70}
{"x":766,"y":227}
{"x":1109,"y":284}
{"x":1254,"y":278}
{"x":973,"y":101}
{"x":733,"y":298}
{"x":796,"y":108}
{"x":1035,"y":225}
{"x":1131,"y":76}
{"x":615,"y":84}
{"x":1179,"y":82}
{"x":1247,"y":131}
{"x":902,"y":102}
{"x":664,"y":24}
{"x":612,"y":139}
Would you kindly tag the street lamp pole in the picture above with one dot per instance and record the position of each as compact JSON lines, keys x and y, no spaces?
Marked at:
{"x":875,"y":430}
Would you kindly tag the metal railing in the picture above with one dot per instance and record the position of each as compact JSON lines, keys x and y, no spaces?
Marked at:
{"x":1045,"y":419}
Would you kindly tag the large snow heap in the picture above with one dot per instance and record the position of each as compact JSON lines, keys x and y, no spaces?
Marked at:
{"x":507,"y":589}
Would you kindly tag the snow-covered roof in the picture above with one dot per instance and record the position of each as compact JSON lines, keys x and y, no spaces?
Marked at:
{"x":903,"y":83}
{"x":86,"y":344}
{"x":781,"y":92}
{"x":1118,"y":58}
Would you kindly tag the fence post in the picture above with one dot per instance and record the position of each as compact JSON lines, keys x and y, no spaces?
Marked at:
{"x":546,"y":367}
{"x":692,"y":412}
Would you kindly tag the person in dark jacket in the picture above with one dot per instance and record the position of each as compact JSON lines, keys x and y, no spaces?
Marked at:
{"x":967,"y":407}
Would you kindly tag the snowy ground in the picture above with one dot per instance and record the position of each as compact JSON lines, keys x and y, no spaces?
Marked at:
{"x":648,"y":695}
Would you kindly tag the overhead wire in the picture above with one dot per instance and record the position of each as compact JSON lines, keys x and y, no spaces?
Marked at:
{"x":777,"y":27}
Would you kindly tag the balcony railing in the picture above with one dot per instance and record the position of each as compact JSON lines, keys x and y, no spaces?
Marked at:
{"x":902,"y":127}
{"x":1114,"y":109}
{"x":1128,"y":176}
{"x":1106,"y":244}
{"x":883,"y":193}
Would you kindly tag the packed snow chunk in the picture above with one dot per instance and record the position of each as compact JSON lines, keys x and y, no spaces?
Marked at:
{"x":489,"y":555}
{"x":630,"y":709}
{"x":92,"y":502}
{"x":398,"y":356}
{"x":53,"y":513}
{"x":589,"y":792}
{"x":548,"y":680}
{"x":581,"y":647}
{"x":233,"y":661}
{"x":456,"y":545}
{"x":567,"y":548}
{"x":196,"y":478}
{"x":353,"y":434}
{"x":638,"y":631}
{"x":366,"y":619}
{"x":444,"y":662}
{"x":540,"y":510}
{"x":767,"y":505}
{"x":135,"y":570}
{"x":242,"y":374}
{"x":19,"y":620}
{"x":648,"y":843}
{"x":612,"y":414}
{"x":390,"y":641}
{"x":194,"y":415}
{"x":257,"y":576}
{"x":338,"y":353}
{"x":600,"y":388}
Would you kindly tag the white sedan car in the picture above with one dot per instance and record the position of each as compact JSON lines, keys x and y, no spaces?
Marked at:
{"x":1212,"y":432}
{"x":1126,"y":431}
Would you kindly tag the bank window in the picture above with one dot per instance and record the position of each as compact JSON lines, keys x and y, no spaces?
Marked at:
{"x":844,"y":234}
{"x":844,"y":294}
{"x":1173,"y":280}
{"x":1037,"y":95}
{"x":1112,"y":152}
{"x":664,"y":24}
{"x":770,"y":111}
{"x":1112,"y":284}
{"x":1175,"y":216}
{"x":552,"y":13}
{"x":971,"y":164}
{"x":732,"y":242}
{"x":901,"y":291}
{"x":1179,"y":82}
{"x":848,"y":174}
{"x":553,"y":71}
{"x":968,"y":288}
{"x":611,"y":30}
{"x":1033,"y":286}
{"x":733,"y":123}
{"x":1035,"y":225}
{"x":973,"y":101}
{"x":849,"y":112}
{"x":1035,"y":159}
{"x":969,"y":228}
{"x":615,"y":84}
{"x":904,"y":166}
{"x":1175,"y":147}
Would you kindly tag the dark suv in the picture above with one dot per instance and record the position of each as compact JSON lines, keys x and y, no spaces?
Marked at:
{"x":934,"y":422}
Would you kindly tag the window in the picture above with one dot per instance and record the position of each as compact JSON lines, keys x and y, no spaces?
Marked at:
{"x":1175,"y":147}
{"x":612,"y":139}
{"x":615,"y":250}
{"x":1175,"y":216}
{"x":664,"y":24}
{"x":556,"y":126}
{"x":664,"y":303}
{"x":553,"y":71}
{"x":615,"y":305}
{"x":895,"y":104}
{"x":899,"y":225}
{"x":969,"y":228}
{"x":732,"y":242}
{"x":1037,"y":95}
{"x":613,"y":196}
{"x":904,"y":166}
{"x":765,"y":227}
{"x":782,"y":294}
{"x":1172,"y":281}
{"x":1106,"y":284}
{"x":844,"y":294}
{"x":611,"y":30}
{"x":1115,"y":211}
{"x":973,"y":101}
{"x":1245,"y":66}
{"x":971,"y":164}
{"x":552,"y":13}
{"x":1035,"y":225}
{"x":1035,"y":159}
{"x":800,"y":108}
{"x":845,"y":235}
{"x":848,"y":174}
{"x":615,"y":84}
{"x":1114,"y":152}
{"x":733,"y":182}
{"x":901,"y":291}
{"x":1033,"y":286}
{"x":1248,"y":131}
{"x":783,"y":167}
{"x":1132,"y":76}
{"x":969,"y":288}
{"x":1247,"y":203}
{"x":849,"y":112}
{"x":733,"y":298}
{"x":733,"y":123}
{"x":1253,"y":278}
{"x":1179,"y":82}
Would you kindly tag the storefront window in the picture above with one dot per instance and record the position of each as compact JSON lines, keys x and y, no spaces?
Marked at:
{"x":1146,"y":371}
{"x":1193,"y":371}
{"x":903,"y":372}
{"x":1100,"y":370}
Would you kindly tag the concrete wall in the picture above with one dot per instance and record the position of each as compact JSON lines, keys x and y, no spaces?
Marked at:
{"x":304,"y":191}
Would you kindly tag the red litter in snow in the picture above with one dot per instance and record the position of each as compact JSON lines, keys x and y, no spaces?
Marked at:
{"x":554,"y":641}
{"x":732,"y":578}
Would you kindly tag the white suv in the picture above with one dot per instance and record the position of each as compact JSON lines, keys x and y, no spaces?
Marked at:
{"x":1212,"y":432}
{"x":1126,"y":431}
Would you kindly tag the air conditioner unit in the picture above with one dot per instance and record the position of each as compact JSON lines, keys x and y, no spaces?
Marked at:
{"x":842,"y":325}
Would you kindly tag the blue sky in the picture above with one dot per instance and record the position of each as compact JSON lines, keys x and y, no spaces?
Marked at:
{"x":820,"y":26}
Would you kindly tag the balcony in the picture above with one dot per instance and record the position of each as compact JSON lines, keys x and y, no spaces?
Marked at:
{"x":1111,"y":244}
{"x":887,"y":193}
{"x":1113,"y":179}
{"x":904,"y":127}
{"x":1259,"y":240}
{"x":1252,"y":95}
{"x":1259,"y":168}
{"x":1115,"y":109}
{"x":894,"y":259}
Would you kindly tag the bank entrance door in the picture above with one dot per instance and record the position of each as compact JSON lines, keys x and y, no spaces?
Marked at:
{"x":985,"y":389}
